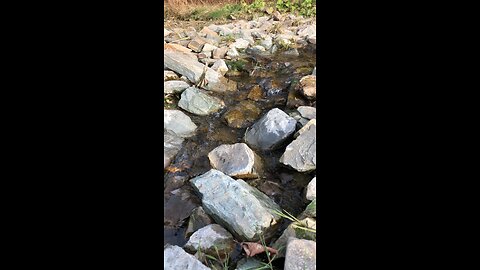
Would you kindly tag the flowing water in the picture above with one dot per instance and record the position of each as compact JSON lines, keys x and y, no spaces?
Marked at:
{"x":277,"y":76}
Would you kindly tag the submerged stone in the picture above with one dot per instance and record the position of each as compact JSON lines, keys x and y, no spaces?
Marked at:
{"x":243,"y":210}
{"x":198,"y":219}
{"x":242,"y":115}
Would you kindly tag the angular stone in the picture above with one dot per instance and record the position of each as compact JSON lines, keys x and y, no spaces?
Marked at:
{"x":307,"y":112}
{"x":175,"y":258}
{"x":293,"y":52}
{"x":242,"y":115}
{"x":209,"y":239}
{"x":171,"y":145}
{"x":308,"y":31}
{"x":220,"y":66}
{"x":271,"y":130}
{"x":220,"y":53}
{"x":208,"y":32}
{"x":232,"y":52}
{"x":198,"y":102}
{"x":301,"y":230}
{"x":196,"y":44}
{"x":169,"y":75}
{"x":178,"y":48}
{"x":171,"y":87}
{"x":245,"y":211}
{"x":235,"y":160}
{"x":258,"y":48}
{"x":198,"y":219}
{"x":308,"y":86}
{"x":208,"y":48}
{"x":240,"y":43}
{"x":301,"y":255}
{"x":184,"y":64}
{"x":178,"y":123}
{"x":305,"y":127}
{"x":311,"y":193}
{"x":301,"y":154}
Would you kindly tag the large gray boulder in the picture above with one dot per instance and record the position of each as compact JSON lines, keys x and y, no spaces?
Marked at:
{"x":210,"y":239}
{"x":301,"y":255}
{"x":178,"y":123}
{"x":236,"y":160}
{"x":271,"y":130}
{"x":301,"y":154}
{"x":198,"y":102}
{"x":243,"y":210}
{"x":175,"y":258}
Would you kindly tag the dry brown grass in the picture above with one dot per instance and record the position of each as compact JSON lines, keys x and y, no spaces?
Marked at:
{"x":182,"y":7}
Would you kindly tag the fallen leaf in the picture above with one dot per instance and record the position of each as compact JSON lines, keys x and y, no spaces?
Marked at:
{"x":252,"y":249}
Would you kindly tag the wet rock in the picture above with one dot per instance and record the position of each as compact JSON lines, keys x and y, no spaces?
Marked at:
{"x":301,"y":154}
{"x":220,"y":66}
{"x":271,"y":130}
{"x":301,"y":255}
{"x":243,"y":210}
{"x":209,"y":239}
{"x":236,"y":160}
{"x":307,"y":112}
{"x":171,"y":145}
{"x":308,"y":86}
{"x":198,"y":102}
{"x":198,"y":219}
{"x":220,"y":53}
{"x":170,"y":87}
{"x":255,"y":93}
{"x":169,"y":75}
{"x":301,"y":230}
{"x":196,"y":44}
{"x":311,"y":193}
{"x":177,"y":206}
{"x":208,"y":32}
{"x":175,"y":258}
{"x":242,"y":115}
{"x":249,"y":264}
{"x":178,"y":123}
